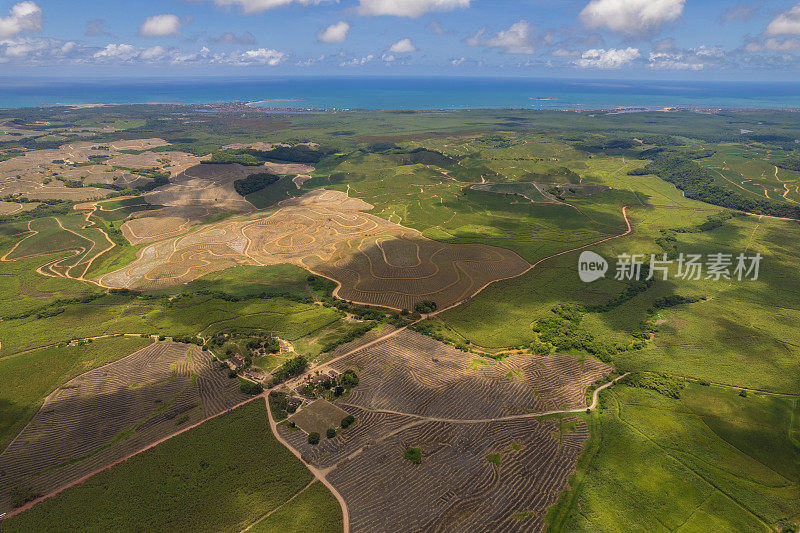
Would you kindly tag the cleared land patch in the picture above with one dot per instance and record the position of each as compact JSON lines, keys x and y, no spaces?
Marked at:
{"x":412,"y":373}
{"x":373,"y":260}
{"x":107,"y":413}
{"x":318,"y":417}
{"x":479,"y":470}
{"x":70,"y":171}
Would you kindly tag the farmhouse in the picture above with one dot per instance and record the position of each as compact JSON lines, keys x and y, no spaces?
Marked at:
{"x":254,"y":375}
{"x":236,"y":362}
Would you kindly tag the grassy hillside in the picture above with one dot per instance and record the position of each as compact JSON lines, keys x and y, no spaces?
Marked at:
{"x":712,"y":459}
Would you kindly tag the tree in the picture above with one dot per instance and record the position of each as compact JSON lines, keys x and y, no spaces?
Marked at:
{"x":426,"y":306}
{"x":330,"y":433}
{"x":347,"y":421}
{"x":248,"y":387}
{"x":414,"y":455}
{"x":349,"y":379}
{"x":313,"y":438}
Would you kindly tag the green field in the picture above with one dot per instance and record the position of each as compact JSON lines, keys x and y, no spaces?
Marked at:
{"x":28,"y":378}
{"x":221,"y":476}
{"x":712,"y":459}
{"x":314,"y":510}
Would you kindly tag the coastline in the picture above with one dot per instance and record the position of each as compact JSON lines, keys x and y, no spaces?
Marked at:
{"x":314,"y":94}
{"x":250,"y":106}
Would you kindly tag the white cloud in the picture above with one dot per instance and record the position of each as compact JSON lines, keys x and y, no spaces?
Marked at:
{"x":517,"y":39}
{"x":232,"y":38}
{"x":259,"y":6}
{"x":612,"y":58}
{"x":403,"y":46}
{"x":357,"y":61}
{"x":52,"y":51}
{"x":122,"y":52}
{"x":263,"y":56}
{"x":563,"y":52}
{"x":631,"y":17}
{"x":773,"y":45}
{"x":436,"y":27}
{"x":665,"y":61}
{"x":21,"y":49}
{"x":335,"y":33}
{"x":408,"y":8}
{"x":22,"y":17}
{"x":310,"y":61}
{"x":741,"y":13}
{"x":667,"y":56}
{"x":786,"y":23}
{"x":161,"y":26}
{"x":154,"y":52}
{"x":37,"y":50}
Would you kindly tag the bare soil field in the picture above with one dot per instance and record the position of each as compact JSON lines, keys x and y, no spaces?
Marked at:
{"x":158,"y":224}
{"x":499,"y":476}
{"x":42,"y":174}
{"x":318,"y":417}
{"x":374,"y":261}
{"x":9,"y":208}
{"x":486,"y":465}
{"x":412,"y":373}
{"x":110,"y":412}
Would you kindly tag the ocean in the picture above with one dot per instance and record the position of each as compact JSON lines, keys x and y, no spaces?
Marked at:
{"x":403,"y":93}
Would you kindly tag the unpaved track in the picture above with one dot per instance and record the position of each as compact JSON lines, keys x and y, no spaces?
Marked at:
{"x":118,"y":461}
{"x":591,"y":407}
{"x":314,"y":470}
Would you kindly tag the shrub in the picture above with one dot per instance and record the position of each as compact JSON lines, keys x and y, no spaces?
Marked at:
{"x":414,"y":455}
{"x":349,"y":379}
{"x":668,"y":386}
{"x":291,"y":368}
{"x":248,"y":387}
{"x":426,"y":306}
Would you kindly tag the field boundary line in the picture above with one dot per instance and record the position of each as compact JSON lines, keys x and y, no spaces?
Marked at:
{"x":671,"y":453}
{"x":85,"y":477}
{"x":269,"y":513}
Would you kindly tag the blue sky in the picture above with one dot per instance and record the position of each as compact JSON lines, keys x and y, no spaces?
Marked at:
{"x":658,"y":39}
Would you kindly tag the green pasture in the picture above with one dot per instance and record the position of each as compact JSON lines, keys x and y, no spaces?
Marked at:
{"x":220,"y":476}
{"x":29,"y":377}
{"x":709,"y":460}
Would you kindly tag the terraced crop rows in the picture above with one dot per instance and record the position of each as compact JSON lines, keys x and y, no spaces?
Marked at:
{"x":373,"y":260}
{"x":412,"y":373}
{"x":456,"y":488}
{"x":109,"y":412}
{"x":370,"y":428}
{"x":480,"y":469}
